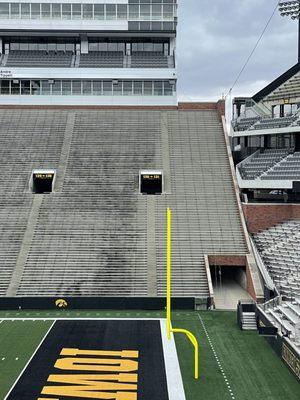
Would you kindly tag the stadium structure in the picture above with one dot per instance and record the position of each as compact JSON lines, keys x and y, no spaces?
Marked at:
{"x":94,"y":148}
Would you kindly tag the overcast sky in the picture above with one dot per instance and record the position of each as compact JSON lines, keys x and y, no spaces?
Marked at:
{"x":215,"y":37}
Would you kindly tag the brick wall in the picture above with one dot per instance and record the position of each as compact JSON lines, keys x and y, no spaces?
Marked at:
{"x":263,"y":216}
{"x":220,"y":106}
{"x":227,"y":260}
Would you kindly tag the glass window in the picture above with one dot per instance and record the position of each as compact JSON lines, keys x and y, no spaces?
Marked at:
{"x":87,"y":10}
{"x":99,"y":11}
{"x":42,"y":46}
{"x":138,"y":87}
{"x":168,"y":88}
{"x":145,"y":12}
{"x":97,"y":88}
{"x":35,"y":11}
{"x":25,"y":87}
{"x":25,"y":10}
{"x":93,"y":46}
{"x":168,"y":11}
{"x":158,"y":88}
{"x":148,"y":47}
{"x":122,"y":11}
{"x":121,"y":47}
{"x":76,"y":87}
{"x":117,"y":87}
{"x":107,"y":88}
{"x":15,"y":46}
{"x":24,"y":46}
{"x":103,"y":46}
{"x":112,"y":46}
{"x":51,"y":46}
{"x":56,"y":11}
{"x":33,"y":46}
{"x":158,"y":47}
{"x":87,"y":88}
{"x":156,"y":12}
{"x":70,"y":47}
{"x":4,"y":86}
{"x":4,"y":10}
{"x":148,"y":88}
{"x":56,"y":87}
{"x":134,"y":11}
{"x":66,"y":88}
{"x":35,"y":87}
{"x":14,"y":10}
{"x":76,"y":11}
{"x":127,"y":88}
{"x":110,"y":11}
{"x":45,"y":10}
{"x":66,"y":11}
{"x":46,"y":87}
{"x":15,"y":87}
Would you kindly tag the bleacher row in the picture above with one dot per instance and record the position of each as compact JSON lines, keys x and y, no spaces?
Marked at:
{"x":256,"y":123}
{"x":279,"y":248}
{"x":94,"y":59}
{"x":285,"y":315}
{"x":289,"y":90}
{"x":272,"y":164}
{"x":92,"y":235}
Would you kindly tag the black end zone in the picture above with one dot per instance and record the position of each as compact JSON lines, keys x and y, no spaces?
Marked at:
{"x":121,"y":359}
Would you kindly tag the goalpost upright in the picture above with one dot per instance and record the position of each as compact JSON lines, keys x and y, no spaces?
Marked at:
{"x":170,"y":330}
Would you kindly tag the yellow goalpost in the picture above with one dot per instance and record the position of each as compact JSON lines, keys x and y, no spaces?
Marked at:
{"x":170,"y":330}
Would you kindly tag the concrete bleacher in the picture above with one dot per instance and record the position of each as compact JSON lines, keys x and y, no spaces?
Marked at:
{"x":279,"y":248}
{"x":28,"y":141}
{"x":38,"y":58}
{"x":96,"y":235}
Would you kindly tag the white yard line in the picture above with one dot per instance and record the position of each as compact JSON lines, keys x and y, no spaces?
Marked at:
{"x":217,"y":359}
{"x":172,"y":368}
{"x":29,"y":360}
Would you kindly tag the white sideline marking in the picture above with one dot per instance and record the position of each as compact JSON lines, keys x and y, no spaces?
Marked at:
{"x":217,"y":358}
{"x":113,"y":318}
{"x":16,"y":381}
{"x":173,"y":373}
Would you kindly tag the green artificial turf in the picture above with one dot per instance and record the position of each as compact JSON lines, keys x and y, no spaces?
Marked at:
{"x":251,"y":369}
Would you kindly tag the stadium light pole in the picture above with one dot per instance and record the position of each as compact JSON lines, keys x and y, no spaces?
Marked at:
{"x":291,"y":9}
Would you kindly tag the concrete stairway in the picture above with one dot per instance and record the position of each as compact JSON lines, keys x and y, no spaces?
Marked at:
{"x":249,"y":321}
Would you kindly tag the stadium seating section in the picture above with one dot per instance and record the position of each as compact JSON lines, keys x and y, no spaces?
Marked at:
{"x":95,"y":234}
{"x":285,"y":315}
{"x":279,"y":247}
{"x":32,"y":58}
{"x":94,"y":59}
{"x":244,"y":124}
{"x":290,"y":89}
{"x":272,"y":164}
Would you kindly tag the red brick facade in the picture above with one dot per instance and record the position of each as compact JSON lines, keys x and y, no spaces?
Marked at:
{"x":263,"y":216}
{"x":235,"y":261}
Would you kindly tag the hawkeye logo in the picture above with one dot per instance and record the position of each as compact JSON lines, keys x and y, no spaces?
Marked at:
{"x":93,"y":374}
{"x":61,"y":303}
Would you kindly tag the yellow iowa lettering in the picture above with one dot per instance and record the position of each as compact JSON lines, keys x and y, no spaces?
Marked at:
{"x":96,"y":364}
{"x":77,"y":352}
{"x":88,"y":392}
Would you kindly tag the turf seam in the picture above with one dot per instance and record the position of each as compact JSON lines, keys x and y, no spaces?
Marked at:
{"x":217,"y":359}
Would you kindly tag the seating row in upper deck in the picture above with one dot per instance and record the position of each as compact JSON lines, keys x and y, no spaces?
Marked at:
{"x":94,"y":59}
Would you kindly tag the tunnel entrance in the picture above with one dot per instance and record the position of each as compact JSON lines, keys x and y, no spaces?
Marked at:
{"x":151,"y":182}
{"x":229,"y":285}
{"x":42,"y":181}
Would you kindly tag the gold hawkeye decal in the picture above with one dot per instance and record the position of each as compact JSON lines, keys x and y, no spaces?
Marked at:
{"x":93,"y":374}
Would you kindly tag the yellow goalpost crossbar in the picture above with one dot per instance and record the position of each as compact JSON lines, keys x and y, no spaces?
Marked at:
{"x":170,"y":330}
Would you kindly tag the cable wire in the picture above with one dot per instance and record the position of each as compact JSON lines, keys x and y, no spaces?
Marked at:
{"x":255,"y":47}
